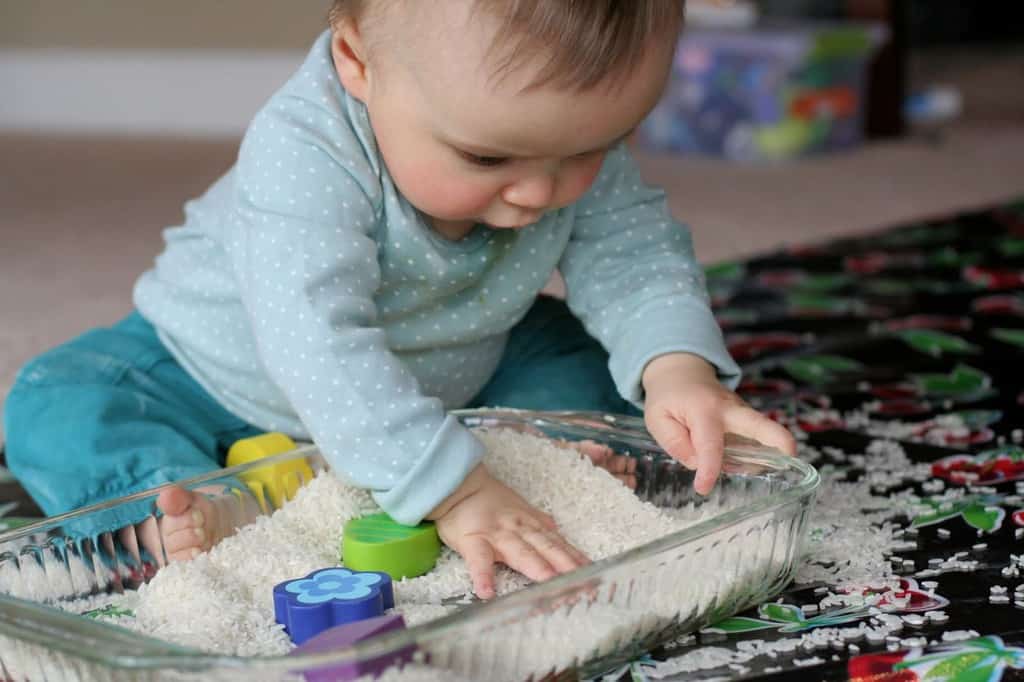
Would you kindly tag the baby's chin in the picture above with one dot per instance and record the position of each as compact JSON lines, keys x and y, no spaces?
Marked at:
{"x":454,"y":229}
{"x":503,"y":226}
{"x":516,"y":223}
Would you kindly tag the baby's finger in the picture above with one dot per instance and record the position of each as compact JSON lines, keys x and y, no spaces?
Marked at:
{"x":521,"y":556}
{"x":619,"y":465}
{"x":547,"y":521}
{"x":709,"y":442}
{"x":579,"y":557}
{"x":597,"y":452}
{"x":479,"y":557}
{"x":746,"y":421}
{"x":673,"y":437}
{"x":554,"y":550}
{"x":623,"y":468}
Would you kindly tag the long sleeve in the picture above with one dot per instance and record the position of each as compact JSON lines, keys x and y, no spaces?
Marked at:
{"x":632,"y":279}
{"x":302,"y":248}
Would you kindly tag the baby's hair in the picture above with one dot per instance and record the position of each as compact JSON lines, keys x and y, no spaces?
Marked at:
{"x":589,"y":41}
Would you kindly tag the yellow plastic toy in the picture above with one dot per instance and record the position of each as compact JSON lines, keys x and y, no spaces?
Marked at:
{"x":279,"y":481}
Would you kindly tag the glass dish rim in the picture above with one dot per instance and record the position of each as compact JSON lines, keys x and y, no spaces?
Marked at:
{"x":30,"y":621}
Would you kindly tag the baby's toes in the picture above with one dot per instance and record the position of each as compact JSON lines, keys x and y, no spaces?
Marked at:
{"x":185,"y":535}
{"x":188,"y":534}
{"x":185,"y":544}
{"x":192,"y":517}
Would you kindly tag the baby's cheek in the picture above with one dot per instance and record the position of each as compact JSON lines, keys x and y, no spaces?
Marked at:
{"x":578,"y":182}
{"x":444,"y":195}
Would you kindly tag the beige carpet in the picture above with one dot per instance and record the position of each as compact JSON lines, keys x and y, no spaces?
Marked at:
{"x":81,"y":218}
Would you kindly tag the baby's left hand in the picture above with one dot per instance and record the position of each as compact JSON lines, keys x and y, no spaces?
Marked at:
{"x":688,"y":412}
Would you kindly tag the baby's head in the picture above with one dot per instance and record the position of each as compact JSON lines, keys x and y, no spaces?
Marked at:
{"x":497,"y":111}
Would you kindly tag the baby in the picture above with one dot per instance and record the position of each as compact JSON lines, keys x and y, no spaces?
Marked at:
{"x":374,"y":258}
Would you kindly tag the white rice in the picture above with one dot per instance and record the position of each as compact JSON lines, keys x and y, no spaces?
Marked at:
{"x":221,"y":602}
{"x":852,"y":529}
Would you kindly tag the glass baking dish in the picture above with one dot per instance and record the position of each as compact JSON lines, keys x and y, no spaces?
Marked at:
{"x":741,"y":549}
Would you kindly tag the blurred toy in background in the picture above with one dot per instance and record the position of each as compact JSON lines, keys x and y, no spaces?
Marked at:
{"x":765,"y":93}
{"x":931,"y":110}
{"x":721,"y":13}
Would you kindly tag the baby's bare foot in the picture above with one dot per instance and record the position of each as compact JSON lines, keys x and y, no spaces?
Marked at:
{"x":196,"y":520}
{"x":190,"y":524}
{"x":619,"y":466}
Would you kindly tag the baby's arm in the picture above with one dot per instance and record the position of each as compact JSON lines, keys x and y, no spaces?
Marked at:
{"x":633,"y":280}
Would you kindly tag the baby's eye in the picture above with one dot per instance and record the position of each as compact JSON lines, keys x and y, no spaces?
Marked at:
{"x":488,"y":161}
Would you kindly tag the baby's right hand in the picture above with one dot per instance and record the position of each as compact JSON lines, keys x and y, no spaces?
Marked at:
{"x":486,"y":522}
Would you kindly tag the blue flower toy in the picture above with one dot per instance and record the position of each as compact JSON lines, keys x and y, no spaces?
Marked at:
{"x":329,"y":597}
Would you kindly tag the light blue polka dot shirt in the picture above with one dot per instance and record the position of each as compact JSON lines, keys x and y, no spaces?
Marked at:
{"x":308,"y":296}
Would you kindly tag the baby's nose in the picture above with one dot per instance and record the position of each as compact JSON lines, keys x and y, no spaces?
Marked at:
{"x":534,"y":192}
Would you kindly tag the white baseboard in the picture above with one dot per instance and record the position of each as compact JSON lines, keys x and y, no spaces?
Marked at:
{"x":207,"y":93}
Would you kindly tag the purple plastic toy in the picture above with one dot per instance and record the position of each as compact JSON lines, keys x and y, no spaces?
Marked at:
{"x":329,"y":597}
{"x":346,"y":635}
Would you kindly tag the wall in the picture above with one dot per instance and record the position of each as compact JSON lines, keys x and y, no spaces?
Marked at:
{"x":161,"y":24}
{"x":148,"y":67}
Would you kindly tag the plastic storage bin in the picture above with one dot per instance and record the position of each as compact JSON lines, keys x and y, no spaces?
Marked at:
{"x":741,"y":550}
{"x":766,"y":93}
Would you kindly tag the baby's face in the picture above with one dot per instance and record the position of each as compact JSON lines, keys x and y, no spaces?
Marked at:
{"x":464,"y":147}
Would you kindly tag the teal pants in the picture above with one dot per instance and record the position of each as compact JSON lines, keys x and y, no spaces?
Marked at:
{"x":111,"y":412}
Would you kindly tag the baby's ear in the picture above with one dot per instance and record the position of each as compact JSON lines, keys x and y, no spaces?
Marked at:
{"x":349,"y":53}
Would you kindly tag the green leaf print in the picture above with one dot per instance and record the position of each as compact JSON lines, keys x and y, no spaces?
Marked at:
{"x":783,"y":613}
{"x":790,"y":618}
{"x":978,"y":511}
{"x":961,"y":667}
{"x":951,"y":257}
{"x":935,"y":343}
{"x":727,"y":271}
{"x":887,"y":287}
{"x":823,"y":283}
{"x":819,"y":369}
{"x":736,"y":316}
{"x":978,"y":660}
{"x":1011,"y":246}
{"x":739,"y":624}
{"x":963,"y":381}
{"x":811,"y":300}
{"x":12,"y":522}
{"x":987,"y":519}
{"x":110,"y":611}
{"x":1014,"y":337}
{"x":1013,"y":453}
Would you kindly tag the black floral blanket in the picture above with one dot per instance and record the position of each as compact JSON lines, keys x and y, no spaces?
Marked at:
{"x":899,"y":360}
